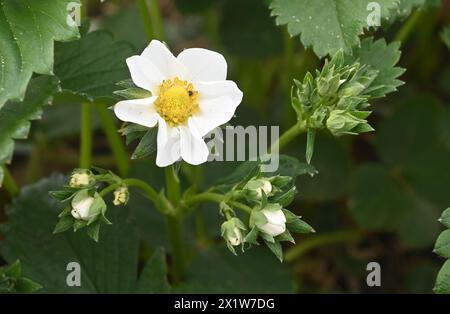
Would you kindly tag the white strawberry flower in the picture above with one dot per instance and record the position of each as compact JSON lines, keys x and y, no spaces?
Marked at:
{"x":190,"y":97}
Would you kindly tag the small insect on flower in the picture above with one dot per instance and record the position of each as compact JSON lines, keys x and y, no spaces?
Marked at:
{"x":190,"y":98}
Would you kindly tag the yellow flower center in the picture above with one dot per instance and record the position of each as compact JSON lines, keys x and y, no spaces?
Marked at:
{"x":177,"y":101}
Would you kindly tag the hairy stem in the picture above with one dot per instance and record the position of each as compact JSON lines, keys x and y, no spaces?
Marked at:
{"x":288,"y":136}
{"x":114,"y":140}
{"x":86,"y":135}
{"x":322,"y":240}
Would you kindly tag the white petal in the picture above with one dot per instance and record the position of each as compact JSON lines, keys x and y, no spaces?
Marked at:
{"x":275,"y":217}
{"x":272,"y":229}
{"x":193,"y":148}
{"x":218,"y":103}
{"x":204,"y":65}
{"x":164,"y":60}
{"x":139,"y":111}
{"x":168,"y":142}
{"x":210,"y":90}
{"x":144,"y":73}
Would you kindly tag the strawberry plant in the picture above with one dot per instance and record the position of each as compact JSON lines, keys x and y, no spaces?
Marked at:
{"x":180,"y":146}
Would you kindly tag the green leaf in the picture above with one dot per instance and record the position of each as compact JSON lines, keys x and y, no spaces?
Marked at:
{"x":133,"y":132}
{"x":334,"y":166}
{"x":25,"y":285}
{"x":442,"y":246}
{"x":133,"y":93}
{"x":252,"y":236}
{"x":92,"y":66}
{"x":256,"y":271}
{"x":310,"y":140}
{"x":285,"y":198}
{"x":28,"y":30}
{"x":15,"y":116}
{"x":147,"y":145}
{"x":11,"y":280}
{"x":153,"y":278}
{"x":442,"y":285}
{"x":109,"y":266}
{"x":405,"y":7}
{"x":64,"y":224}
{"x":299,"y":226}
{"x":93,"y":230}
{"x":275,"y":248}
{"x":446,"y":36}
{"x":292,"y":167}
{"x":412,"y":184}
{"x":445,"y":218}
{"x":383,"y":58}
{"x":327,"y":25}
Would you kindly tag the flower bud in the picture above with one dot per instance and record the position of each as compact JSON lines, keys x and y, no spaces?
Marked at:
{"x":81,"y":208}
{"x":341,"y":122}
{"x":81,"y":178}
{"x":276,"y":221}
{"x":255,"y":188}
{"x":232,"y":231}
{"x":121,"y":196}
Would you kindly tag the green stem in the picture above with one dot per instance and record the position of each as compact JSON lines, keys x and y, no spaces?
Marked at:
{"x":86,"y":136}
{"x":407,"y":28}
{"x":216,"y":198}
{"x":155,"y":12}
{"x":115,"y":141}
{"x":174,"y":224}
{"x":322,"y":240}
{"x":146,"y":19}
{"x":288,"y":136}
{"x":142,"y":185}
{"x":9,"y":183}
{"x":151,"y":17}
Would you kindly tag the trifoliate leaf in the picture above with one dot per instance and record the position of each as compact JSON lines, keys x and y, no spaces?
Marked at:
{"x":382,"y":58}
{"x":446,"y":36}
{"x":91,"y":66}
{"x":328,"y":25}
{"x":28,"y":29}
{"x":15,"y":117}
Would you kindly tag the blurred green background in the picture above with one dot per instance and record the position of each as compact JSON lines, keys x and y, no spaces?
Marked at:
{"x":377,"y":197}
